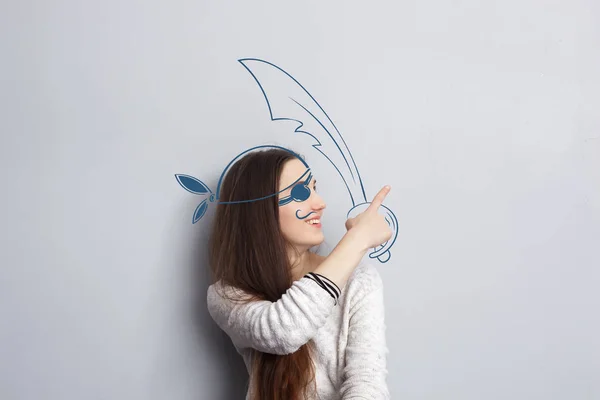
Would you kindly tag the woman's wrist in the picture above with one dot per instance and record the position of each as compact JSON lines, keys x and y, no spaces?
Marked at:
{"x":354,"y":241}
{"x":343,"y":259}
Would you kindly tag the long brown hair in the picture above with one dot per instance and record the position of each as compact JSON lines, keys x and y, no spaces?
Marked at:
{"x":248,"y":251}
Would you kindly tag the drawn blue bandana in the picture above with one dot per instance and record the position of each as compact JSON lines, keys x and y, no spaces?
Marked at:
{"x":300,"y":191}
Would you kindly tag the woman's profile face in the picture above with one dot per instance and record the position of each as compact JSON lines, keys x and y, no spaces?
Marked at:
{"x":294,"y":216}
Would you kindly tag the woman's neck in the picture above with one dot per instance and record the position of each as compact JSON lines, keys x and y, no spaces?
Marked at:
{"x":304,"y":264}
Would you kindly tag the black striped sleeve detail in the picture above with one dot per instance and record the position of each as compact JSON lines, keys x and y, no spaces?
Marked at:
{"x":327,"y":284}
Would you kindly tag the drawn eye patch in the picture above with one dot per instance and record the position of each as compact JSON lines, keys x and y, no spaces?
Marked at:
{"x":300,"y":192}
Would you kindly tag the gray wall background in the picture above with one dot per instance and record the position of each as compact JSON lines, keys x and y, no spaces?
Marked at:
{"x":483,"y":116}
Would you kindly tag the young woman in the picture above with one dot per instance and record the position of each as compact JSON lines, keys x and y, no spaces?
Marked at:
{"x":307,"y":326}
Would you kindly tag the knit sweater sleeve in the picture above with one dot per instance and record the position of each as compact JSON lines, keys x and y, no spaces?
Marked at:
{"x":365,"y":371}
{"x":279,"y":327}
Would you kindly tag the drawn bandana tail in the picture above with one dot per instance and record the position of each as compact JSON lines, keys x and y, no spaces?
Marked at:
{"x":288,"y":100}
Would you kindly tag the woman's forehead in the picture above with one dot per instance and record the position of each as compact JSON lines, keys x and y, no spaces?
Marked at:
{"x":292,"y":171}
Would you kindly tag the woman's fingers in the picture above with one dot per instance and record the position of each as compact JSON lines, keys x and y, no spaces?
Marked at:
{"x":378,"y":199}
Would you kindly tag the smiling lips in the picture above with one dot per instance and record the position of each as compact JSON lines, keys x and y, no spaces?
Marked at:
{"x":316,"y":222}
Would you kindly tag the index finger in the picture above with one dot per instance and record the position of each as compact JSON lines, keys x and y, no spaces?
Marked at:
{"x":378,"y":199}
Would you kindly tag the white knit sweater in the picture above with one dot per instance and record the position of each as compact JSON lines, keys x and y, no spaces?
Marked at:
{"x":349,"y":336}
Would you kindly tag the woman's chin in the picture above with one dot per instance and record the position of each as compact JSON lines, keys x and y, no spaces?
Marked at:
{"x":318,"y":241}
{"x":311,"y":242}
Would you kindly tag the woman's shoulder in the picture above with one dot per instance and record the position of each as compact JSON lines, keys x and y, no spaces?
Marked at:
{"x":219,"y":293}
{"x":365,"y":278}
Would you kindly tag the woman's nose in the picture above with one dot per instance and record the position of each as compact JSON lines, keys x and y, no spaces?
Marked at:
{"x":319,"y":203}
